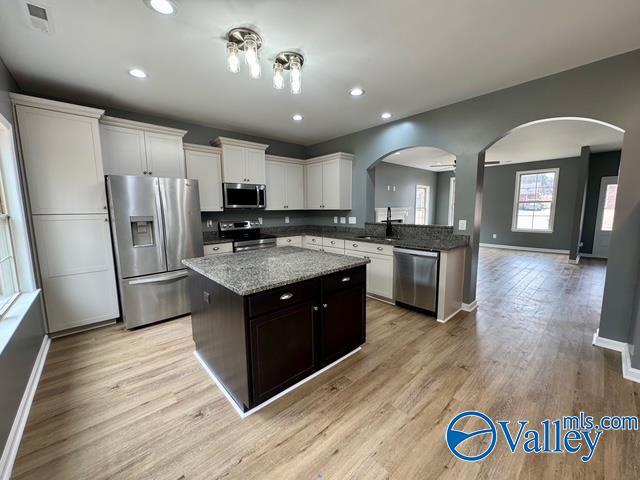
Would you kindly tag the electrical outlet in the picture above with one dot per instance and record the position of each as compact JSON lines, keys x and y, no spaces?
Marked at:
{"x":209,"y":223}
{"x":260,"y":220}
{"x":343,"y":220}
{"x":495,"y":235}
{"x":352,"y":220}
{"x":394,"y":188}
{"x":388,"y":188}
{"x":335,"y":219}
{"x":286,"y":219}
{"x":462,"y":225}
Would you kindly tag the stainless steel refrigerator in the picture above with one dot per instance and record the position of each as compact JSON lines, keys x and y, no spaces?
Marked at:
{"x":155,"y":224}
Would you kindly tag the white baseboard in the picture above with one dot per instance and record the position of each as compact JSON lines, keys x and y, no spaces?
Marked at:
{"x":470,"y":307}
{"x":237,"y":408}
{"x":628,"y":372}
{"x":20,"y":420}
{"x":449,"y":317}
{"x":526,"y":249}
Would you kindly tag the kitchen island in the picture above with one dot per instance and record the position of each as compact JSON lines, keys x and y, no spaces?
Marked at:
{"x":265,"y":321}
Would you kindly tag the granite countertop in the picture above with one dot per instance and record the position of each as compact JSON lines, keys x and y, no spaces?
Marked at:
{"x":435,"y":244}
{"x":246,"y":273}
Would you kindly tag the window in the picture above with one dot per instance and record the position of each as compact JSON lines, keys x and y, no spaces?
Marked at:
{"x":535,"y":201}
{"x":8,"y":275}
{"x":422,"y":204}
{"x":609,"y":207}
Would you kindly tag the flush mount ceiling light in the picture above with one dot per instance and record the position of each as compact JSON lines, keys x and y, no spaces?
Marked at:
{"x":297,"y":117}
{"x":165,"y":7}
{"x":385,"y":116}
{"x":356,"y":92}
{"x":291,"y":61}
{"x":244,"y":40}
{"x":138,"y":73}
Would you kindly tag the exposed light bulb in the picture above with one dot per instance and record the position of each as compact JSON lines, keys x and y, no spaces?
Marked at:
{"x":296,"y":75}
{"x":233,"y":58}
{"x":251,"y":49}
{"x":278,"y":76}
{"x":255,"y":70}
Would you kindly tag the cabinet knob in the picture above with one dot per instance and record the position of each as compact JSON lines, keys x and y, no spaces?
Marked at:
{"x":289,"y":240}
{"x":104,"y":207}
{"x":150,"y":172}
{"x":215,"y":249}
{"x":324,"y":305}
{"x":345,"y":279}
{"x":144,"y":173}
{"x":332,"y":242}
{"x":286,"y":296}
{"x":380,"y":248}
{"x":313,"y":239}
{"x":315,"y":308}
{"x":354,"y":245}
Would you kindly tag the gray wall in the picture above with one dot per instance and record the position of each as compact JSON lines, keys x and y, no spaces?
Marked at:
{"x":442,"y":202}
{"x":18,"y":356}
{"x":603,"y":164}
{"x":497,"y":207}
{"x":404,"y":179}
{"x":608,"y":90}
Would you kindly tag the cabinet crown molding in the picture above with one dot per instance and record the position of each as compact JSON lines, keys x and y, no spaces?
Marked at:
{"x":148,"y":127}
{"x":193,"y":147}
{"x":222,"y":141}
{"x":331,"y":156}
{"x":277,"y":158}
{"x":37,"y":102}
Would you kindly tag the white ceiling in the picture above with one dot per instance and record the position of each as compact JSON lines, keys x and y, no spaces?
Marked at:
{"x":409,"y":55}
{"x":556,"y":138}
{"x":425,"y":158}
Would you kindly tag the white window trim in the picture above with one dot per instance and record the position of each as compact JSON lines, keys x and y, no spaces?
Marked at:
{"x":516,"y":195}
{"x":426,"y":204}
{"x":452,"y":200}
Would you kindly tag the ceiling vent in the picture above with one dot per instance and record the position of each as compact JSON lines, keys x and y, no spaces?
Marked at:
{"x":39,"y":17}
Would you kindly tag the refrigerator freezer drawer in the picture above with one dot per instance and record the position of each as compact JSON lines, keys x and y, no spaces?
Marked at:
{"x":153,"y":298}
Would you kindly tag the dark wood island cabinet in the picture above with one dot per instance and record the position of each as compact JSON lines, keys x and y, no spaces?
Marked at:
{"x":260,"y":344}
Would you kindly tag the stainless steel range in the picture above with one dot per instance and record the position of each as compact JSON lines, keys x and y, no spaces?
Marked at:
{"x":245,"y":235}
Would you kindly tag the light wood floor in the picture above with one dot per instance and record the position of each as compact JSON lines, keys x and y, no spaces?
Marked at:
{"x":136,"y":405}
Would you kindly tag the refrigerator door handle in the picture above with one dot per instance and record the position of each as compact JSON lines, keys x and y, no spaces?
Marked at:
{"x":159,"y":278}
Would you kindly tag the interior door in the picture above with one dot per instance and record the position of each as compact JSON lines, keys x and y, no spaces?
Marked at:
{"x":276,"y":186}
{"x":313,"y":185}
{"x":165,"y":155}
{"x":294,"y":187}
{"x":63,"y":162}
{"x":123,"y":151}
{"x":182,"y":222}
{"x":604,"y":218}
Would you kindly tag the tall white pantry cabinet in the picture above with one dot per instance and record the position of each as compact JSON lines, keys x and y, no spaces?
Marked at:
{"x":62,"y":158}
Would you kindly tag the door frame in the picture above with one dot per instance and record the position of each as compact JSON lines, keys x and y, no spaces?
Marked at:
{"x":452,"y":198}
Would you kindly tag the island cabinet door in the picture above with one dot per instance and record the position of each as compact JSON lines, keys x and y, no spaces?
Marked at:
{"x":343,"y":323}
{"x":282,"y":349}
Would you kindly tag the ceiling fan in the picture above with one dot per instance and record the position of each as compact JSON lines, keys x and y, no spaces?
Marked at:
{"x":489,"y":162}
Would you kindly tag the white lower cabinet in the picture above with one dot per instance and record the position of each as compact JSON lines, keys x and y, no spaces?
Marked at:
{"x":379,"y":272}
{"x":218,"y":248}
{"x":289,"y":241}
{"x":77,"y":270}
{"x":339,"y":251}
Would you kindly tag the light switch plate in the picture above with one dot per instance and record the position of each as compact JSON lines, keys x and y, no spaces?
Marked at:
{"x":335,"y":219}
{"x":260,"y":220}
{"x":286,"y":219}
{"x":495,"y":236}
{"x":462,"y":224}
{"x":352,"y":220}
{"x":343,"y":220}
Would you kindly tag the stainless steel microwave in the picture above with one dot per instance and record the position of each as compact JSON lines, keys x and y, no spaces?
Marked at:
{"x":241,"y":195}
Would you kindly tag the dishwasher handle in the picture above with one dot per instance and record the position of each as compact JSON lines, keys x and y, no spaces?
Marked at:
{"x":415,"y":253}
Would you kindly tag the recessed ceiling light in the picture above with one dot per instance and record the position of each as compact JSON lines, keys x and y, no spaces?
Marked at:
{"x":138,"y":73}
{"x":385,"y":115}
{"x":356,"y":92}
{"x":297,"y":117}
{"x":165,"y":7}
{"x":397,"y":153}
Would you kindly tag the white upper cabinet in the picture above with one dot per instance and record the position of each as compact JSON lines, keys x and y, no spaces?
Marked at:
{"x":328,"y":182}
{"x":285,"y":183}
{"x":203,"y":164}
{"x":242,"y":162}
{"x":62,"y":156}
{"x":135,"y":148}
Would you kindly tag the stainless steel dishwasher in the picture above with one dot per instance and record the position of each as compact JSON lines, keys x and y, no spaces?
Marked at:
{"x":415,"y":278}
